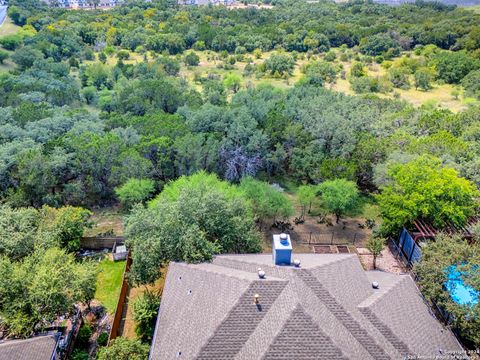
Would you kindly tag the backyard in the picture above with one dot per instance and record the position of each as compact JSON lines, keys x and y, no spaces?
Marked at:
{"x":109,"y":283}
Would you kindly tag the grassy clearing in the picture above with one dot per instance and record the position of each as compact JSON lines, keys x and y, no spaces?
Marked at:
{"x":8,"y":27}
{"x":212,"y":64}
{"x":106,"y":220}
{"x":440,"y":95}
{"x":109,"y":283}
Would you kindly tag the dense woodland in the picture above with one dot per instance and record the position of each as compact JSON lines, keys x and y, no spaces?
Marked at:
{"x":83,"y":125}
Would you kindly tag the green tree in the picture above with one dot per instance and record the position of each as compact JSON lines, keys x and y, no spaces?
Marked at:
{"x":338,"y":196}
{"x":452,"y":67}
{"x":192,"y":219}
{"x":3,"y":56}
{"x":423,"y":188}
{"x":40,"y":288}
{"x":18,"y":231}
{"x":191,"y":59}
{"x":102,"y":57}
{"x":145,"y":311}
{"x":135,"y":191}
{"x":471,"y":83}
{"x":399,"y":77}
{"x":321,"y":72}
{"x":279,"y":64}
{"x":124,"y":349}
{"x":64,"y":226}
{"x":26,"y":56}
{"x":306,"y":195}
{"x":424,"y":78}
{"x":380,"y":44}
{"x":11,"y":42}
{"x":375,"y":245}
{"x":267,"y":202}
{"x":232,"y":82}
{"x":98,"y":75}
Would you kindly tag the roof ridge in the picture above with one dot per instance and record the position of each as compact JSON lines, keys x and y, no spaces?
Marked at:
{"x":336,"y":259}
{"x":387,"y":333}
{"x":377,"y":296}
{"x":362,"y":336}
{"x":241,"y":321}
{"x":300,"y":328}
{"x":249,"y":276}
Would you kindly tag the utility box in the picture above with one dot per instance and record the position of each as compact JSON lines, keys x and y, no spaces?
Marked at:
{"x":282,"y":249}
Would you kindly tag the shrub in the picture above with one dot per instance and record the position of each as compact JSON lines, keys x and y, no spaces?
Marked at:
{"x":83,"y":336}
{"x":124,"y":349}
{"x":330,"y":56}
{"x":145,"y":311}
{"x":79,"y":355}
{"x":123,"y":55}
{"x":102,"y":339}
{"x":11,"y":42}
{"x":191,"y":59}
{"x":3,"y":56}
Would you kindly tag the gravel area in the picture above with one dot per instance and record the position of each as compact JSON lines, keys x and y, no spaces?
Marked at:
{"x":386,"y":261}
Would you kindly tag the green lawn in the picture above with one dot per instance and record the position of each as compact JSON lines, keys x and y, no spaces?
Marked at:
{"x":109,"y":282}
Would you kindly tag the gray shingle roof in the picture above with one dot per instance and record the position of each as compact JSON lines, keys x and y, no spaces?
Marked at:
{"x":327,"y":309}
{"x":36,"y":348}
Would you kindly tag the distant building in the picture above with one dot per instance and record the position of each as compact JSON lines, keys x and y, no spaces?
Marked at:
{"x":207,"y":2}
{"x":36,"y":348}
{"x":321,"y":306}
{"x":83,"y":4}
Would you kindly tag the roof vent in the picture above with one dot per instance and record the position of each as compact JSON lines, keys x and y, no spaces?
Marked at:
{"x":189,"y":291}
{"x":179,"y":353}
{"x":256,"y":299}
{"x":282,"y":249}
{"x":261,"y":273}
{"x":375,"y":285}
{"x":296,"y":262}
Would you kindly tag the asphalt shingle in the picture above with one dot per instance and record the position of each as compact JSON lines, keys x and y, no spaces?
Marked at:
{"x":36,"y":348}
{"x":326,"y":309}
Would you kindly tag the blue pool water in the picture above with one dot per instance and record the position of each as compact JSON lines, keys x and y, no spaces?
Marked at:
{"x":462,"y":294}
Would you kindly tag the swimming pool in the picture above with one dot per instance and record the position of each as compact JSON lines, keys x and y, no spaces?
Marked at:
{"x":460,"y":292}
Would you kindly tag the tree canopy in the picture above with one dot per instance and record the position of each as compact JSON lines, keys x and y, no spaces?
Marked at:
{"x":424,"y":188}
{"x":41,"y":287}
{"x":192,"y":219}
{"x":338,"y":196}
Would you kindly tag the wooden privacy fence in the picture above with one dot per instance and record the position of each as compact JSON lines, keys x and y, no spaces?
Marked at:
{"x":117,"y":319}
{"x":99,"y":243}
{"x":328,"y":238}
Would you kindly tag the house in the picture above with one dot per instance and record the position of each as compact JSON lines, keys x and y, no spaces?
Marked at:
{"x":37,"y":348}
{"x":318,"y":306}
{"x":206,"y":2}
{"x":83,"y":4}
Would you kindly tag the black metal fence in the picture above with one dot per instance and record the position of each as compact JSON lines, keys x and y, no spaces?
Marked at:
{"x":328,"y":238}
